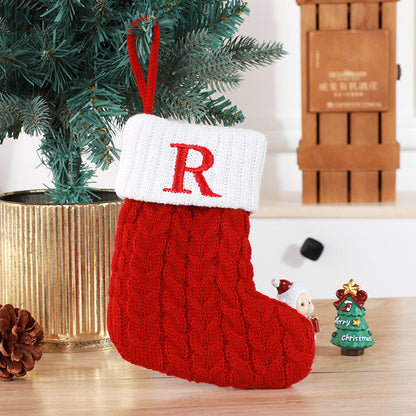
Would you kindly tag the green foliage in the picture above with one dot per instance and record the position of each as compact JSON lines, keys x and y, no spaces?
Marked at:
{"x":32,"y":114}
{"x":65,"y":74}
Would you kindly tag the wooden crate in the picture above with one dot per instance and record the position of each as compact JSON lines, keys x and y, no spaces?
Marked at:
{"x":348,"y":151}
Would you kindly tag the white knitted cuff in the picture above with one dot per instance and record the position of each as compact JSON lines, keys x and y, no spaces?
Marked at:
{"x":179,"y":163}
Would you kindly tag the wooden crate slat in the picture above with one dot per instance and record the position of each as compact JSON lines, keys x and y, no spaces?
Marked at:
{"x":345,"y":157}
{"x":388,"y":118}
{"x":364,"y":127}
{"x":333,"y":187}
{"x":310,"y":187}
{"x":388,"y":186}
{"x":333,"y":127}
{"x":309,"y":120}
{"x":364,"y":186}
{"x":364,"y":15}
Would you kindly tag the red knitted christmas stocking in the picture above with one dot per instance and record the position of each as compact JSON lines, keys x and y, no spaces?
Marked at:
{"x":182,"y":298}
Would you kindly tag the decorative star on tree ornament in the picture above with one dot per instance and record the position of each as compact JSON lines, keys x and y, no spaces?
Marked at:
{"x":351,"y":288}
{"x":356,"y":322}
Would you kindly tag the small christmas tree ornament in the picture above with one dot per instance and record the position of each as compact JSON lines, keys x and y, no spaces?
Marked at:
{"x":352,"y":333}
{"x":182,"y":299}
{"x":20,"y":336}
{"x":298,"y":298}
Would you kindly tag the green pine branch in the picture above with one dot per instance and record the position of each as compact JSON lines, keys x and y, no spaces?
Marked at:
{"x":62,"y":10}
{"x":31,"y":116}
{"x":71,"y":177}
{"x":10,"y":118}
{"x":248,"y":53}
{"x":180,"y":103}
{"x":221,"y":110}
{"x":221,"y":18}
{"x":95,"y":111}
{"x":193,"y":61}
{"x":35,"y":115}
{"x":53,"y":57}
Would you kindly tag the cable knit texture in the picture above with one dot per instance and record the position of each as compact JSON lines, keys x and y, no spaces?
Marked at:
{"x":183,"y":300}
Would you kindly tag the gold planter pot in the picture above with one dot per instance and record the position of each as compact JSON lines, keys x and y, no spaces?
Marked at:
{"x":55,"y":262}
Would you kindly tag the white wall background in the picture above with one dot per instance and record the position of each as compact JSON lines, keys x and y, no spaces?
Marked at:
{"x":378,"y":253}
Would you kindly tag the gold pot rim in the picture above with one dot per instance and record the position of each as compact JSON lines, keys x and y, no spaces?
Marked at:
{"x":4,"y":198}
{"x":55,"y":261}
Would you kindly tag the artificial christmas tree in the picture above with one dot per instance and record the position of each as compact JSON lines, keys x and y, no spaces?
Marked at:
{"x":65,"y":74}
{"x":352,"y":333}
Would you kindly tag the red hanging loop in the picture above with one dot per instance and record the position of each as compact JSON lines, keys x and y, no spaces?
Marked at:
{"x":147,"y":91}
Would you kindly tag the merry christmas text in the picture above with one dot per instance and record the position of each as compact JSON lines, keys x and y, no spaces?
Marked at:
{"x":354,"y":338}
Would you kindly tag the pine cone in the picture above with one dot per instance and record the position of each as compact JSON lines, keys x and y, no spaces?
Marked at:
{"x":20,"y":335}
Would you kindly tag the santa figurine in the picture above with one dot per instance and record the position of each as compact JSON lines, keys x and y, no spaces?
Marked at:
{"x":298,"y":298}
